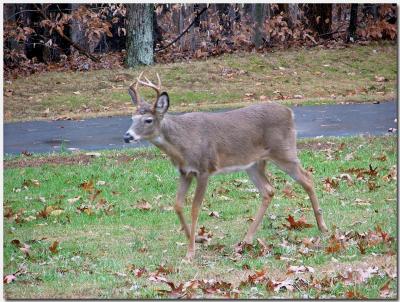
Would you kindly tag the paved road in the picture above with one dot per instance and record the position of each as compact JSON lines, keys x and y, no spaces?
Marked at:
{"x":106,"y":133}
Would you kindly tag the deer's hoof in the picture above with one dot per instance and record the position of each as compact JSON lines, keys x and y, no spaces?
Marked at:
{"x":324,"y":230}
{"x":188,"y":258}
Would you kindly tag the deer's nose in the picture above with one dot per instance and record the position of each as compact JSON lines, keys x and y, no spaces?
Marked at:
{"x":127,"y":137}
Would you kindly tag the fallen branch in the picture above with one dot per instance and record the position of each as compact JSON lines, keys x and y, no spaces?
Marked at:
{"x":311,"y":38}
{"x":185,"y":31}
{"x":68,"y":40}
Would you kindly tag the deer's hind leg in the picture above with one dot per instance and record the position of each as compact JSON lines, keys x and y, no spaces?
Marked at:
{"x":301,"y":176}
{"x":260,"y":180}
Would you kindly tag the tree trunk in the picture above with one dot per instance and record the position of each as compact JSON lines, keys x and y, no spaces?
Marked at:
{"x":258,"y":15}
{"x":353,"y":23}
{"x":320,"y":17}
{"x":77,"y":31}
{"x":293,"y":14}
{"x":139,"y":40}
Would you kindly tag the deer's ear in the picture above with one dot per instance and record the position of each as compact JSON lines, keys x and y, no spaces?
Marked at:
{"x":162,"y":103}
{"x":134,"y":97}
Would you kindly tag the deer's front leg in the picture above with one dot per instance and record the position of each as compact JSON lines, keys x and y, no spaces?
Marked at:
{"x":197,"y":200}
{"x":184,"y":184}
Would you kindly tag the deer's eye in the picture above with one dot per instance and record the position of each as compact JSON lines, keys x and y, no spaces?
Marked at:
{"x":148,"y":120}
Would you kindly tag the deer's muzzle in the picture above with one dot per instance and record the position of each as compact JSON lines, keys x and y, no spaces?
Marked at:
{"x":128,"y":138}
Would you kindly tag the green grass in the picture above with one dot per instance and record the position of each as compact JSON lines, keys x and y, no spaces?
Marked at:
{"x":318,"y":75}
{"x":96,"y":249}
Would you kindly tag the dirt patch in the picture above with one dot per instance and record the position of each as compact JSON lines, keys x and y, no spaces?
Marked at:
{"x":77,"y":159}
{"x":52,"y":160}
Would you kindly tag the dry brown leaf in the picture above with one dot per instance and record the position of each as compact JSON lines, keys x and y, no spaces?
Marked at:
{"x":297,"y":225}
{"x":87,"y":186}
{"x":288,"y":191}
{"x":203,"y":235}
{"x":384,"y":291}
{"x":8,"y":279}
{"x":213,"y":214}
{"x":53,"y":247}
{"x":143,"y":205}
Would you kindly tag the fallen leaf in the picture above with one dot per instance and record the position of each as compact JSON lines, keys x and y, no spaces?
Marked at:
{"x":143,"y":205}
{"x":382,"y":157}
{"x":73,"y":200}
{"x":362,"y":202}
{"x":380,"y":79}
{"x":31,"y":182}
{"x":87,"y":186}
{"x":213,"y":214}
{"x":293,"y":269}
{"x":330,"y":184}
{"x":87,"y":209}
{"x":16,"y":242}
{"x":56,"y":212}
{"x":256,"y":278}
{"x":8,"y":279}
{"x":392,"y":175}
{"x":94,"y":195}
{"x":53,"y":247}
{"x":26,"y":249}
{"x":46,"y":211}
{"x":354,"y":295}
{"x":384,"y":291}
{"x":288,"y":191}
{"x":276,"y":286}
{"x":203,"y":235}
{"x":335,"y":245}
{"x":297,"y":225}
{"x":347,"y":178}
{"x":372,"y":186}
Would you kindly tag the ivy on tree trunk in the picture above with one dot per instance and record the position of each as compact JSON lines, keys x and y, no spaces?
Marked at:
{"x":139,"y":41}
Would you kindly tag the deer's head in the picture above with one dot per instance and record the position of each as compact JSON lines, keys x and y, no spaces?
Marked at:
{"x":147,"y":118}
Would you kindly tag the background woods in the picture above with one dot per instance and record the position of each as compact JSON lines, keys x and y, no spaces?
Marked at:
{"x":82,"y":37}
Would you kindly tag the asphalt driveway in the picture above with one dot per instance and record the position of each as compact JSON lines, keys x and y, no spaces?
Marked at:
{"x":106,"y":133}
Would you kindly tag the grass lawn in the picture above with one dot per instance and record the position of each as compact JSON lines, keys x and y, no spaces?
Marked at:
{"x":305,"y":76}
{"x":113,"y":220}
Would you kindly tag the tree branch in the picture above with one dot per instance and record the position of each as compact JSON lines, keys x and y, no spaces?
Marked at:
{"x":185,"y":31}
{"x":67,"y":39}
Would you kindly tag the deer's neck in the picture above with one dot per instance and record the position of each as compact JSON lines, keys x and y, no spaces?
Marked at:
{"x":165,"y":142}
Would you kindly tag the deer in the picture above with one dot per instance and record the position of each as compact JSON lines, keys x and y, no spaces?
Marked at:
{"x":202,"y":144}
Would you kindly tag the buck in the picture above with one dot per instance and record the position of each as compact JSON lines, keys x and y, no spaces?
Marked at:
{"x":204,"y":144}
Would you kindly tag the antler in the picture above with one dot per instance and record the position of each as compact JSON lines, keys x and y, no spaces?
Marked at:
{"x":151,"y":85}
{"x":134,"y":89}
